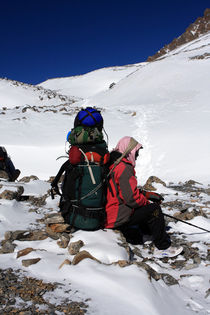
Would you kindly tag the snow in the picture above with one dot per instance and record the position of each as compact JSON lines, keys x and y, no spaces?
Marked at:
{"x":113,"y":290}
{"x":14,"y":93}
{"x":91,"y":83}
{"x":165,"y":106}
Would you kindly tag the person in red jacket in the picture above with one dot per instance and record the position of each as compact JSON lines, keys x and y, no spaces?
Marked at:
{"x":126,"y":204}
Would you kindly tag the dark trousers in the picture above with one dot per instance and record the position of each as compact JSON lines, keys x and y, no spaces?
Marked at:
{"x":150,"y":220}
{"x":8,"y":167}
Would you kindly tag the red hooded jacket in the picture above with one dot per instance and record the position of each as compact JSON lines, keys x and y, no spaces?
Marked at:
{"x":123,"y":196}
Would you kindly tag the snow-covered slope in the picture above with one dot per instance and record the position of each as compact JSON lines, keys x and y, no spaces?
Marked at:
{"x":171,"y":100}
{"x":91,"y":83}
{"x":15,"y":93}
{"x":164,"y":104}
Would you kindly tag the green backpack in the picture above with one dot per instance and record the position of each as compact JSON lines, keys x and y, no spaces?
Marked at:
{"x":84,"y":191}
{"x":85,"y":134}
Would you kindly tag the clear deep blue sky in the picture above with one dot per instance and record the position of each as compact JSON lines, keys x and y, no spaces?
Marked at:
{"x":56,"y":38}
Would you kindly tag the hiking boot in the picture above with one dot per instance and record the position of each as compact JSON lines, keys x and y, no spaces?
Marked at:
{"x":169,"y":252}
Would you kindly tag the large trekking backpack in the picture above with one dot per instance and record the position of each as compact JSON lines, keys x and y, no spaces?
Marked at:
{"x":84,"y":187}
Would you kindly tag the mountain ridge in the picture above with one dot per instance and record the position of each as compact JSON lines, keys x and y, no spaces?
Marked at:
{"x":200,"y":27}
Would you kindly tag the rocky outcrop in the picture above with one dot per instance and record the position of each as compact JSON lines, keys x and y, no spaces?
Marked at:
{"x":27,"y":179}
{"x":195,"y":30}
{"x":31,"y":293}
{"x":149,"y":185}
{"x":12,"y":194}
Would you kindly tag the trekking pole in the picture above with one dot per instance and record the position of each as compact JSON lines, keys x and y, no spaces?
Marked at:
{"x":198,"y":227}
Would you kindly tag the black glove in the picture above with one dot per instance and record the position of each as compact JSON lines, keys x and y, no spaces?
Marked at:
{"x":154,"y":197}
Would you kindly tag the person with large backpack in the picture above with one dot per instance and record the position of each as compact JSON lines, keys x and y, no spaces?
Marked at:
{"x":83,"y":190}
{"x":7,"y":168}
{"x":128,"y":206}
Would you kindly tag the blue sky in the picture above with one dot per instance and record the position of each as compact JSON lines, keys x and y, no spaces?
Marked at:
{"x":57,"y":38}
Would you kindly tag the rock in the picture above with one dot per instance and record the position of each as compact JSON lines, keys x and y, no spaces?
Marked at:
{"x":184,"y":216}
{"x":112,"y":85}
{"x":64,"y":241}
{"x":54,"y":218}
{"x":24,"y":235}
{"x":24,"y":252}
{"x":58,"y":227}
{"x":174,"y":205}
{"x":20,"y":191}
{"x":37,"y":211}
{"x":51,"y":233}
{"x":50,"y":180}
{"x":178,"y":264}
{"x":197,"y":260}
{"x":65,"y":262}
{"x":38,"y":201}
{"x":8,"y":194}
{"x":123,"y":263}
{"x":150,"y":271}
{"x":7,"y":247}
{"x":30,"y":294}
{"x":137,"y":252}
{"x":27,"y":179}
{"x":8,"y":235}
{"x":168,"y":279}
{"x":83,"y":255}
{"x":153,"y":179}
{"x":29,"y":262}
{"x":207,"y":191}
{"x":74,"y":247}
{"x":191,"y":182}
{"x":190,"y":266}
